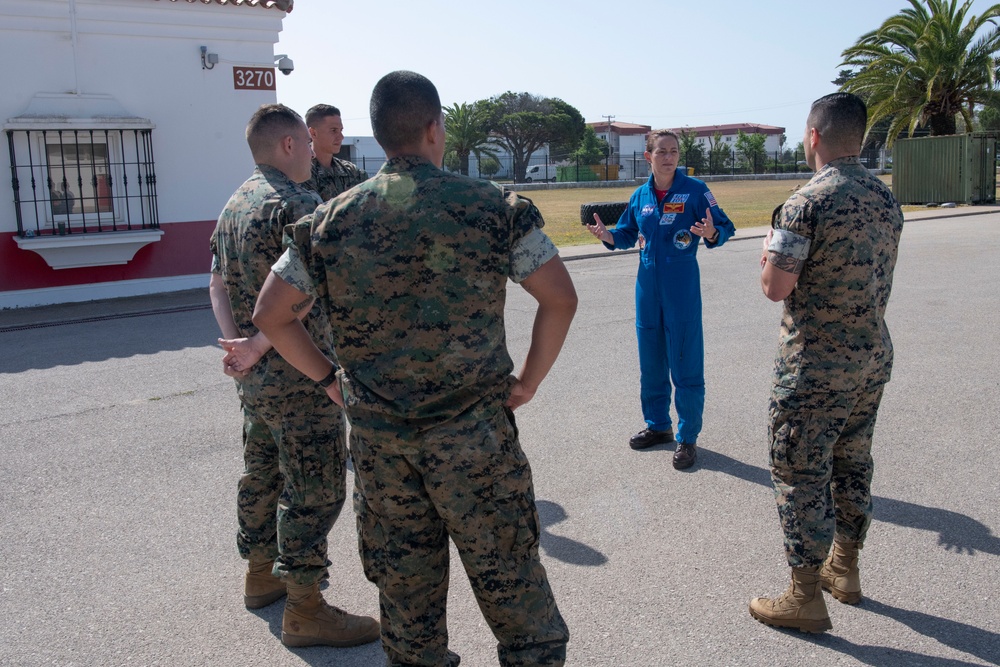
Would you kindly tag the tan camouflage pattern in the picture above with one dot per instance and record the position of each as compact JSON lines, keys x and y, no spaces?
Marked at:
{"x":412,"y":266}
{"x":417,"y":309}
{"x":294,"y":481}
{"x":834,"y":358}
{"x":833,"y":333}
{"x":330,"y":181}
{"x":821,"y":468}
{"x":468,"y":479}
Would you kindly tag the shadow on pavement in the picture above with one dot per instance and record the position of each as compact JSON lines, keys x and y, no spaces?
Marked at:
{"x":878,"y":656}
{"x":563,"y":548}
{"x":113,"y":337}
{"x":969,"y":639}
{"x":956,"y":532}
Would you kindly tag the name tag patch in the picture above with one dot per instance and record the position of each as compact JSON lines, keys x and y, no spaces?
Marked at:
{"x":673,"y":207}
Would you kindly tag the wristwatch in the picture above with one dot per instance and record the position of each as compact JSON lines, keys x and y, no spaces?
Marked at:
{"x":330,"y":378}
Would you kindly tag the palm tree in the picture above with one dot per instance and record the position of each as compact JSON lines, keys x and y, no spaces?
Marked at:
{"x":926,"y":65}
{"x":466,"y":134}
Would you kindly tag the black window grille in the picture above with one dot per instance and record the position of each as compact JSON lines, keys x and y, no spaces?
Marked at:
{"x":80,"y":181}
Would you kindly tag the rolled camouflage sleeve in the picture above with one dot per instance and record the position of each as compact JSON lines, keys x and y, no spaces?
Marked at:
{"x":293,"y":271}
{"x":789,"y":244}
{"x":530,"y":246}
{"x":213,"y":246}
{"x":292,"y":266}
{"x":793,"y":229}
{"x":529,"y":253}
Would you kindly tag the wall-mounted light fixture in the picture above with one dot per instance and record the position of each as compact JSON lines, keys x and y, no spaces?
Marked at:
{"x":208,"y":60}
{"x":284,"y":63}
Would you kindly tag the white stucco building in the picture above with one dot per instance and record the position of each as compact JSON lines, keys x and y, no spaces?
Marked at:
{"x":124,"y":122}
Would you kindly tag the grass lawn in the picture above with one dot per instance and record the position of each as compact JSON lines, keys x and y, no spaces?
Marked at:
{"x":747,"y":203}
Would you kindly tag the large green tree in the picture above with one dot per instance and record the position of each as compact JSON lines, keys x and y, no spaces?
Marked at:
{"x":750,"y":150}
{"x":465,"y":135}
{"x":523,"y":123}
{"x":989,"y":118}
{"x":591,"y":150}
{"x":926,"y":65}
{"x":719,"y":153}
{"x":567,"y":142}
{"x":692,"y":153}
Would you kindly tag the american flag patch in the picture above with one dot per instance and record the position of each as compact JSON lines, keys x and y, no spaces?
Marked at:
{"x":711,"y":198}
{"x":673,"y":207}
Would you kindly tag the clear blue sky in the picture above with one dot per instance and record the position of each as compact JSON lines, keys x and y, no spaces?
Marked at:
{"x":665,"y":64}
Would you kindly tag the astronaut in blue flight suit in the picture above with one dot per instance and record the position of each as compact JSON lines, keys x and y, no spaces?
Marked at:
{"x":666,"y":216}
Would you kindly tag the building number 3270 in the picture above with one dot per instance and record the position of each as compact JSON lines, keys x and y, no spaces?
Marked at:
{"x":253,"y":78}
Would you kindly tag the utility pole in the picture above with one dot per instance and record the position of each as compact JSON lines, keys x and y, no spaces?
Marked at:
{"x":607,"y":157}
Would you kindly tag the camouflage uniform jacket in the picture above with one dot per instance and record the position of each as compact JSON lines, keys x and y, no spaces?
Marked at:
{"x":844,"y":225}
{"x":330,"y":181}
{"x":412,"y":266}
{"x":247,"y":240}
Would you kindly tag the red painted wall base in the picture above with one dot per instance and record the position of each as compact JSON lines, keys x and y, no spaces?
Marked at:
{"x":182,"y":250}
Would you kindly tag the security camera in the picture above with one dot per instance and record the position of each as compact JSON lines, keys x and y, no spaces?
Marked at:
{"x":285,"y":64}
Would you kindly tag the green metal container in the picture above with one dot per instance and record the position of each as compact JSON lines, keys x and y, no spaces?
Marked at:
{"x":576,"y":174}
{"x":959,"y":168}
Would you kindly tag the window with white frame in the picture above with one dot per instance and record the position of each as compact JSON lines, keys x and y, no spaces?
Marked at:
{"x":82,"y":180}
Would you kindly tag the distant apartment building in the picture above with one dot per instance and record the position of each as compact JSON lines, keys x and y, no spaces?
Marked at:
{"x":628,"y":138}
{"x":729,"y":132}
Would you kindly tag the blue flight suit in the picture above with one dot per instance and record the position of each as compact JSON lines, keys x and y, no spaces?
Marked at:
{"x":668,"y":298}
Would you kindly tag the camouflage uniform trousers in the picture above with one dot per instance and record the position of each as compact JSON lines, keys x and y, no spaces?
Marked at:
{"x":821,"y":468}
{"x":468,"y":479}
{"x":294,"y":480}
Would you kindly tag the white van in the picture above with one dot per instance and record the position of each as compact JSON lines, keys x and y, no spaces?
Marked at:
{"x":540,"y":173}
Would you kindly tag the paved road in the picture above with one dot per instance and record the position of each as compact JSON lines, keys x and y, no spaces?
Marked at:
{"x":120,"y":453}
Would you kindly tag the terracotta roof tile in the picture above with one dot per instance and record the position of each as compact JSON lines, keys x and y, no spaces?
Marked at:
{"x":622,"y":129}
{"x":283,"y":5}
{"x":729,"y":128}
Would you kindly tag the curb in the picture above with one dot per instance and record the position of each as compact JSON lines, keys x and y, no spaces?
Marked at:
{"x":197,"y":299}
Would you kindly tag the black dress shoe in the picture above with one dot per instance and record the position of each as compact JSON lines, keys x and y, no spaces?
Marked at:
{"x":684,"y":456}
{"x":647,"y":438}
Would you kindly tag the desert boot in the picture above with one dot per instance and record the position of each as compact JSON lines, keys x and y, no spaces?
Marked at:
{"x":800,"y":607}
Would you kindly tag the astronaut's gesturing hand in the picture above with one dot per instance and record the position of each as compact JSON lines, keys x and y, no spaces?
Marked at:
{"x":600,"y":231}
{"x":706,"y":228}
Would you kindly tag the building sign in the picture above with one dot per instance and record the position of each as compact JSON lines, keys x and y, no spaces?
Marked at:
{"x":253,"y":78}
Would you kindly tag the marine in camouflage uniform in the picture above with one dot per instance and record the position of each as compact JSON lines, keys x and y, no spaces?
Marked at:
{"x":294,"y":481}
{"x":412,"y":267}
{"x":834,"y":358}
{"x":330,"y":181}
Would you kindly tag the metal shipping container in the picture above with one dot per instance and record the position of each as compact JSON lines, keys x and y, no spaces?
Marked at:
{"x":958,"y":168}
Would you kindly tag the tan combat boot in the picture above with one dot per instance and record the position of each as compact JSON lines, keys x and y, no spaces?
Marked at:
{"x":310,"y":621}
{"x":261,"y":588}
{"x":800,"y":607}
{"x":840,"y":574}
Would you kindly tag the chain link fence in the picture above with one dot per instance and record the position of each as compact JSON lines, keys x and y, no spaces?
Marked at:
{"x":633,"y":166}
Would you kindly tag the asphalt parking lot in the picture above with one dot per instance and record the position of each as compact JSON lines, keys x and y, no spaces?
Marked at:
{"x":120,"y":442}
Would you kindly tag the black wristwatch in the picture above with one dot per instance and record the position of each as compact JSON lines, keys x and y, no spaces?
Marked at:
{"x":330,"y":378}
